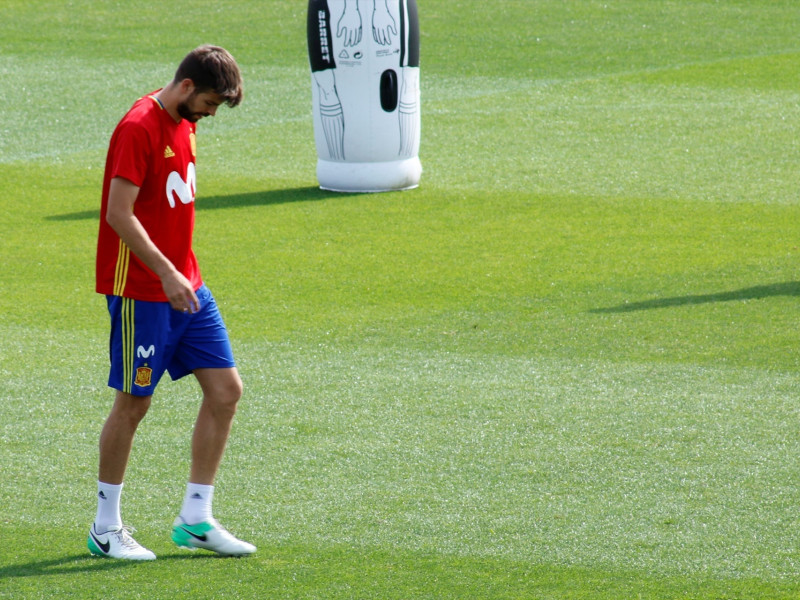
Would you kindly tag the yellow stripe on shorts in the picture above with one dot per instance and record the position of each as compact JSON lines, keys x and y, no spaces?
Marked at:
{"x":128,"y":353}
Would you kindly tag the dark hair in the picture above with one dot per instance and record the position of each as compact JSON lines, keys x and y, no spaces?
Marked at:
{"x":212,"y":68}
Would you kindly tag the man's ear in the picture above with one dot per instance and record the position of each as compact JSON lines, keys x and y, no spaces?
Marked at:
{"x":186,"y":86}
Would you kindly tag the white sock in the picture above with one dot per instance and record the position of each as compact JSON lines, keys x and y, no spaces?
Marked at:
{"x":197,"y":503}
{"x":108,"y":516}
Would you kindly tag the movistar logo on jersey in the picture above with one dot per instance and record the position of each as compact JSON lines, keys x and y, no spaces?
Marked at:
{"x":182,"y":188}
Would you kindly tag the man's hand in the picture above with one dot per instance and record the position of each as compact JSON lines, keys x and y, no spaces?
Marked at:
{"x":179,"y":292}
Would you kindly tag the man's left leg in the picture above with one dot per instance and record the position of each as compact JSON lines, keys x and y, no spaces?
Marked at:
{"x":196,"y":526}
{"x":222,"y":389}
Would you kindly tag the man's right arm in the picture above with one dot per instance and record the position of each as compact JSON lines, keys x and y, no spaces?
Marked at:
{"x":119,"y":215}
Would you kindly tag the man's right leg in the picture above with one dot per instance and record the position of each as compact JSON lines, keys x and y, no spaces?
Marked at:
{"x":116,"y":439}
{"x":108,"y":537}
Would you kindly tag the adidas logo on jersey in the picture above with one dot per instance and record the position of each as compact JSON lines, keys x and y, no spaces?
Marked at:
{"x":168,"y":153}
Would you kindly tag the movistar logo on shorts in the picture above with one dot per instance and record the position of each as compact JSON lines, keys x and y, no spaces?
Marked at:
{"x":143,"y":352}
{"x":184,"y":189}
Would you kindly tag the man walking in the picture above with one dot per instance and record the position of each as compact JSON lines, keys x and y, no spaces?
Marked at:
{"x":163,"y":318}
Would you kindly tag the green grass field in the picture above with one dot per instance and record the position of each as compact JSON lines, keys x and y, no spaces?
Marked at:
{"x":564,"y":367}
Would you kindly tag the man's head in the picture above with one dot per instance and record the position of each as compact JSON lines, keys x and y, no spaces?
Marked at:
{"x":215,"y":78}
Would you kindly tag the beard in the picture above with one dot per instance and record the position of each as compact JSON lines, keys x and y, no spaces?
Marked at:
{"x":186,"y":112}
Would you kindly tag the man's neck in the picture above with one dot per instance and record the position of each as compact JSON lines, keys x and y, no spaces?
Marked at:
{"x":168,"y":98}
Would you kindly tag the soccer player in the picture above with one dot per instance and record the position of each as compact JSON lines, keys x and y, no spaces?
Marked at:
{"x":163,"y":318}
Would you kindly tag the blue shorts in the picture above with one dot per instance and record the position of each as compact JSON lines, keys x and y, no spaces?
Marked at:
{"x":149,"y":338}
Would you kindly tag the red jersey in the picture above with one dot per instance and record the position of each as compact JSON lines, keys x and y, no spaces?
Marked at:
{"x":158,"y":155}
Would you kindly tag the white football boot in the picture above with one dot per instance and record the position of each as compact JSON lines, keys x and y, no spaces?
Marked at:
{"x":117,"y":543}
{"x":209,"y":535}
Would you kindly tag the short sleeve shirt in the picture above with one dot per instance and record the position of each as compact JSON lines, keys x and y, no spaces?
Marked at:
{"x":151,"y":150}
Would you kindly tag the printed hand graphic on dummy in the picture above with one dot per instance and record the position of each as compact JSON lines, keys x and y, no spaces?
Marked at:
{"x":382,"y":23}
{"x":349,"y":24}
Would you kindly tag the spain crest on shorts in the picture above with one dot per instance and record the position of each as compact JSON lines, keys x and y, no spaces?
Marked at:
{"x":143,"y":376}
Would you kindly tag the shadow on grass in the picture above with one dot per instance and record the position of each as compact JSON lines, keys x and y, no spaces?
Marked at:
{"x":84,"y":563}
{"x":759,"y":292}
{"x":265,"y":198}
{"x":77,"y":563}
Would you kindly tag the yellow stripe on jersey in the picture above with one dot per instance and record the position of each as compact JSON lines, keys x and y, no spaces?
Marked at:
{"x":121,"y":273}
{"x":157,"y":101}
{"x":128,"y":331}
